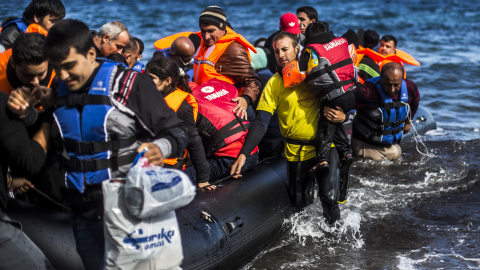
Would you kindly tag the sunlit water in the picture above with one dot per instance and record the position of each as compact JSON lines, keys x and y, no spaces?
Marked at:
{"x":418,"y":213}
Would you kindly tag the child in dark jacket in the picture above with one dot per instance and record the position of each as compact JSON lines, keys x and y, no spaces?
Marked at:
{"x":332,"y":77}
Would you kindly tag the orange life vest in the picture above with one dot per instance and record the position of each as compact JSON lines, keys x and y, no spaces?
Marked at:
{"x":5,"y":85}
{"x":166,"y":42}
{"x":174,"y":100}
{"x":206,"y":57}
{"x":36,"y":28}
{"x":375,"y":56}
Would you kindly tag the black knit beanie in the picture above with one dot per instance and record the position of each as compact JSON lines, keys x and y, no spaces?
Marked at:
{"x":214,"y":15}
{"x":371,"y":39}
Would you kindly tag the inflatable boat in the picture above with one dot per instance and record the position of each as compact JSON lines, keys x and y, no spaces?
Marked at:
{"x":220,"y":229}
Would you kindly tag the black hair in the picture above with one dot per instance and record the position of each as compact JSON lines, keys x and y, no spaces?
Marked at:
{"x":28,"y":48}
{"x":141,"y":45}
{"x":196,"y":40}
{"x":66,"y":34}
{"x":42,"y":8}
{"x":315,"y":29}
{"x":285,"y":34}
{"x":164,"y":67}
{"x":131,"y":46}
{"x":117,"y":58}
{"x":388,"y":38}
{"x":158,"y":53}
{"x":310,"y":11}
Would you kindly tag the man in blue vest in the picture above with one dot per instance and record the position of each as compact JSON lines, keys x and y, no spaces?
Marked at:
{"x":385,"y":106}
{"x":104,"y":114}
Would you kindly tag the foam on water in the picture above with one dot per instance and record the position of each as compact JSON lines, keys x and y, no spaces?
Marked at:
{"x":309,"y":224}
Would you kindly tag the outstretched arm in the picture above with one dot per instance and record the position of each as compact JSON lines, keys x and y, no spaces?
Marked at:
{"x":255,"y":134}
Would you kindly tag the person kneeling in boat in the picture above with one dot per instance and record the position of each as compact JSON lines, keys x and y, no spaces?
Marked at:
{"x":174,"y":87}
{"x":385,"y":106}
{"x":222,"y":131}
{"x":297,"y":109}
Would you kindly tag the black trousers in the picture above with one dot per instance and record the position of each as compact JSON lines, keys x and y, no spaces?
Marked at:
{"x":329,"y":132}
{"x":301,"y":184}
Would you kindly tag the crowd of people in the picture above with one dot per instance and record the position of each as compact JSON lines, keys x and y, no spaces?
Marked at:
{"x":77,"y":106}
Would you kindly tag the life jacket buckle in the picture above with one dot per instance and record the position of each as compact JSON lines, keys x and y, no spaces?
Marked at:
{"x":74,"y":100}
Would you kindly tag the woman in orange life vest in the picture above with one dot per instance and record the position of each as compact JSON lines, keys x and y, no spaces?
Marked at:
{"x":174,"y":87}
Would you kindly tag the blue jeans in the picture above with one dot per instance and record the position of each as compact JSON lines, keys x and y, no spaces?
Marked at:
{"x":90,"y":241}
{"x":17,"y":251}
{"x":221,"y":166}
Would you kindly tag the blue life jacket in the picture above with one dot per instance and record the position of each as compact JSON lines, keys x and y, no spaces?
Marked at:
{"x":20,"y":23}
{"x":384,"y":125}
{"x":90,"y":153}
{"x":138,"y":67}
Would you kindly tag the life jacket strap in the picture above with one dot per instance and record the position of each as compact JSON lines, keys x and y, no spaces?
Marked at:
{"x":90,"y":165}
{"x":208,"y":62}
{"x":390,"y":131}
{"x":95,"y":147}
{"x":394,"y":124}
{"x":230,"y":130}
{"x":74,"y":100}
{"x":393,"y":105}
{"x":300,"y":142}
{"x":328,"y":69}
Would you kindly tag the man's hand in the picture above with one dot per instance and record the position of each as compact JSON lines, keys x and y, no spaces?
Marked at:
{"x":201,"y":185}
{"x":18,"y":102}
{"x":153,"y":154}
{"x":20,"y":186}
{"x":241,"y":108}
{"x":237,"y":166}
{"x":43,"y":96}
{"x":407,"y":127}
{"x":334,"y":115}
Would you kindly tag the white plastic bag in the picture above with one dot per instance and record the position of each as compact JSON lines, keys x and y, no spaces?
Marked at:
{"x":132,"y":243}
{"x":153,"y":190}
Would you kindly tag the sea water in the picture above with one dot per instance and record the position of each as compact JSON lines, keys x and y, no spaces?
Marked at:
{"x":420,"y":212}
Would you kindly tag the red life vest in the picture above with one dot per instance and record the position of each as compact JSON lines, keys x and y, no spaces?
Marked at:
{"x":214,"y":103}
{"x":335,"y":73}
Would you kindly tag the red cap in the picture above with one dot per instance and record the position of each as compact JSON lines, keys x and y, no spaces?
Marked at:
{"x":289,"y":23}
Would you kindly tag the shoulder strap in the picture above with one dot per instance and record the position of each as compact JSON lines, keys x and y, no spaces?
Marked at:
{"x":96,"y":147}
{"x":230,"y":129}
{"x":74,"y":100}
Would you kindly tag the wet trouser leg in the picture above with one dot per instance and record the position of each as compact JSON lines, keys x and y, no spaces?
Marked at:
{"x":328,"y":183}
{"x":17,"y":251}
{"x":328,"y":188}
{"x":300,"y":183}
{"x":340,"y":140}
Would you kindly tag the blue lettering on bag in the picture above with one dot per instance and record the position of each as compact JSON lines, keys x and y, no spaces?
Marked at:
{"x":162,"y":186}
{"x":163,"y":235}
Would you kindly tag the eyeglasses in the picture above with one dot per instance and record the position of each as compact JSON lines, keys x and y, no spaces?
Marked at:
{"x":181,"y":59}
{"x":185,"y":63}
